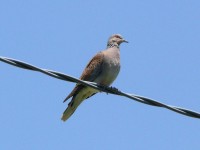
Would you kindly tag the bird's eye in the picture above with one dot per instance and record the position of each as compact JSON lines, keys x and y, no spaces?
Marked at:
{"x":117,"y":36}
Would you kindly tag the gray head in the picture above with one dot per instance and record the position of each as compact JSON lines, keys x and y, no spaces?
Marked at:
{"x":115,"y":40}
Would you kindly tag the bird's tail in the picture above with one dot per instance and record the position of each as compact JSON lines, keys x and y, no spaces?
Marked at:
{"x":72,"y":106}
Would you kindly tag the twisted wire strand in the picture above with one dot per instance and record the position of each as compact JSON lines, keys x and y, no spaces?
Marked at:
{"x":106,"y":89}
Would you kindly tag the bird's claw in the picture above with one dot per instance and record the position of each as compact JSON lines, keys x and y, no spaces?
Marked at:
{"x":110,"y":89}
{"x":114,"y":89}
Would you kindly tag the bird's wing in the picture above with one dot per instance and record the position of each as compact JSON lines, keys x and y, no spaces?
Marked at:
{"x":91,"y":72}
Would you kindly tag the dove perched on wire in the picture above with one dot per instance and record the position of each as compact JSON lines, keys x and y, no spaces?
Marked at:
{"x":103,"y":69}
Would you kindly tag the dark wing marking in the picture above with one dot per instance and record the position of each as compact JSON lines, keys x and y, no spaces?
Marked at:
{"x":92,"y":70}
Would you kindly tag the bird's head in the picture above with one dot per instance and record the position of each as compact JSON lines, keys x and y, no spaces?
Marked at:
{"x":116,"y":39}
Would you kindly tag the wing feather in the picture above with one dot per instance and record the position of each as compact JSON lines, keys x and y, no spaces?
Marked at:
{"x":91,"y":72}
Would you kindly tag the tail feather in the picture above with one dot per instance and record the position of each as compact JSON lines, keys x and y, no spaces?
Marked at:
{"x":76,"y":101}
{"x":72,"y":106}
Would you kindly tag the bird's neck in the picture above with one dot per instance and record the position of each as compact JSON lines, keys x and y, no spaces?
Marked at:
{"x":110,"y":45}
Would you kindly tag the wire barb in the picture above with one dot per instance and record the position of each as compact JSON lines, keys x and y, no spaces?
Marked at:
{"x":111,"y":90}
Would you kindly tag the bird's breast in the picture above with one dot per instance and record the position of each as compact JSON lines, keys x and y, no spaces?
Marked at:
{"x":110,"y":70}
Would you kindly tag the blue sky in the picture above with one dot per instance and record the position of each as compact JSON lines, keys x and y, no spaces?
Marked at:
{"x":161,"y":61}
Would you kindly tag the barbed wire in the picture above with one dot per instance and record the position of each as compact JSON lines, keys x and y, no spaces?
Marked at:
{"x":111,"y":90}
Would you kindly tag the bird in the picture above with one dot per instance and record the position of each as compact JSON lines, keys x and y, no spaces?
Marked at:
{"x":102,"y":69}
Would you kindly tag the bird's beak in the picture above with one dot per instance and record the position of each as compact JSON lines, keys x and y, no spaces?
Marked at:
{"x":125,"y":41}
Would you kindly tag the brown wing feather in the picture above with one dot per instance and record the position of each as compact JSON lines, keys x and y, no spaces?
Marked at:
{"x":92,"y":70}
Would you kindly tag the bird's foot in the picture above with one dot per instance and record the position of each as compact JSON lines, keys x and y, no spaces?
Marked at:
{"x":110,"y":89}
{"x":114,"y":89}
